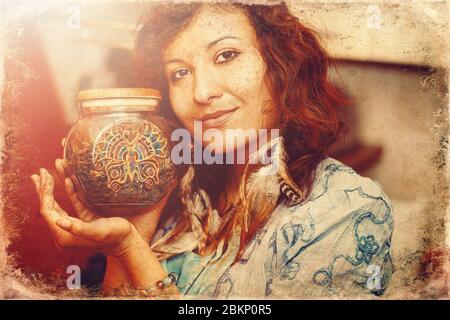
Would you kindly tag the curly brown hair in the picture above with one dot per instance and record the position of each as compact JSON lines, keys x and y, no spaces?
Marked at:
{"x":297,"y":77}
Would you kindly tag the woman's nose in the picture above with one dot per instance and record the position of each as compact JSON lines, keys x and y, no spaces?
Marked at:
{"x":206,"y":87}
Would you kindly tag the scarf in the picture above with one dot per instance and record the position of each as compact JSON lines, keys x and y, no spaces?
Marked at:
{"x":264,"y":180}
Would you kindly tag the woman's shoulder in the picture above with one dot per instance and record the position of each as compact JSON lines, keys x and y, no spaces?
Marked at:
{"x":340,"y":188}
{"x":342,"y":230}
{"x":340,"y":199}
{"x":338,"y":192}
{"x":334,"y":176}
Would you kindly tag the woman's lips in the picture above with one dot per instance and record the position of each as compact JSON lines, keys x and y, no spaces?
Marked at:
{"x":217,"y":119}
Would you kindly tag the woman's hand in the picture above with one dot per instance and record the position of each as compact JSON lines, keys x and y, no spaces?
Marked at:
{"x":134,"y":264}
{"x":125,"y":242}
{"x":88,"y":232}
{"x":145,"y":220}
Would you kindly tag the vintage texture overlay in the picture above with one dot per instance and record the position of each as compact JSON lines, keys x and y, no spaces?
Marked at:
{"x":391,"y":56}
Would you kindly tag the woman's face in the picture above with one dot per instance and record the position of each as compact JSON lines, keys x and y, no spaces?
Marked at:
{"x":215,"y":75}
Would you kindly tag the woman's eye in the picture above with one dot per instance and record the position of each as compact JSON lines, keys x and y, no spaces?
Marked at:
{"x":180,"y":74}
{"x":227,"y":56}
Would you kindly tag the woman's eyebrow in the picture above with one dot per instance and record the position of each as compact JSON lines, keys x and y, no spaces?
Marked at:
{"x":173,"y":61}
{"x":211,"y":44}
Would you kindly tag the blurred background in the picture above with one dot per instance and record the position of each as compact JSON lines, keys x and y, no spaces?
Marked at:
{"x":391,"y":59}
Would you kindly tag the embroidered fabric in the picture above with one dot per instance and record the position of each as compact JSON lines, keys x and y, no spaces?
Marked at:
{"x":337,"y":242}
{"x":259,"y":191}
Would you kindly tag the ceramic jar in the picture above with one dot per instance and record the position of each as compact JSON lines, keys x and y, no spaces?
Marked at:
{"x":118,"y":152}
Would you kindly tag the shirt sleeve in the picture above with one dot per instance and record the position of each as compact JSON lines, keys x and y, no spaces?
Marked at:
{"x":361,"y":262}
{"x":337,"y":245}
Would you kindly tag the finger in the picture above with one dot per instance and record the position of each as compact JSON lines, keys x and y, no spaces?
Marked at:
{"x":43,"y":188}
{"x":76,"y":202}
{"x":66,"y":240}
{"x":63,"y":142}
{"x":59,"y":165}
{"x":59,"y":209}
{"x":48,"y":208}
{"x":56,"y":205}
{"x":35,"y":179}
{"x":70,"y":191}
{"x":78,"y":228}
{"x":80,"y":208}
{"x":102,"y":230}
{"x":49,"y":216}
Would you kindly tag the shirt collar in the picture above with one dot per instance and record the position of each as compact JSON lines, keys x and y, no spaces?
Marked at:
{"x":260,"y":190}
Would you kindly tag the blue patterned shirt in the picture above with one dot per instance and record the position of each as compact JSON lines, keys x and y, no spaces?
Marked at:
{"x":337,"y":243}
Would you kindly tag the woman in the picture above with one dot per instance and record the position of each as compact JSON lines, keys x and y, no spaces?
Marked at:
{"x":303,"y":225}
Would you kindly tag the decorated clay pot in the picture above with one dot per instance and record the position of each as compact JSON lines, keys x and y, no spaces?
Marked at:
{"x":118,"y":152}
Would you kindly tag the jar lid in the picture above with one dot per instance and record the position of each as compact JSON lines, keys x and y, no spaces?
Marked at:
{"x":119,"y":99}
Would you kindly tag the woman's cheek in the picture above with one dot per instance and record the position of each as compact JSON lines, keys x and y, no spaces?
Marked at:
{"x":248,"y":74}
{"x":185,"y":118}
{"x":180,"y":102}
